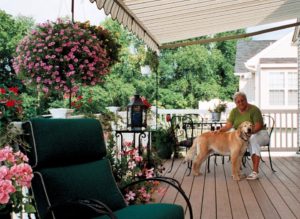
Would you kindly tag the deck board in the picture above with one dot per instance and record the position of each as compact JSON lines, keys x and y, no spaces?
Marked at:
{"x":282,"y":190}
{"x":236,"y":200}
{"x":216,"y":195}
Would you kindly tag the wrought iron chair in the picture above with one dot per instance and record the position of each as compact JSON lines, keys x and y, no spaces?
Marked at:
{"x":73,"y":178}
{"x":183,"y":132}
{"x":269,"y":123}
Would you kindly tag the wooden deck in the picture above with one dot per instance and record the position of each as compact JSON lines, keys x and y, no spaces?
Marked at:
{"x":216,"y":195}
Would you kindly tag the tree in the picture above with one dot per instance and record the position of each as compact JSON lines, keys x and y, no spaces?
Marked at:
{"x":190,"y":74}
{"x":12,"y":30}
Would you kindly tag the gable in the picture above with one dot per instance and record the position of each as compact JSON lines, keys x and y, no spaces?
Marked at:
{"x":246,"y":50}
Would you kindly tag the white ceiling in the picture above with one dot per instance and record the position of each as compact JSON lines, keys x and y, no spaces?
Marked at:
{"x":160,"y":22}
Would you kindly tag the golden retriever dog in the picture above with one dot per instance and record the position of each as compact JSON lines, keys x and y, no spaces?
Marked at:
{"x":226,"y":143}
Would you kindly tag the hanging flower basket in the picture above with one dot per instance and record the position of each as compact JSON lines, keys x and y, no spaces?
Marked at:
{"x":59,"y":56}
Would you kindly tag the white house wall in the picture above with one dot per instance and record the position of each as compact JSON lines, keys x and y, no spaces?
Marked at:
{"x":247,"y":85}
{"x":282,"y":48}
{"x":257,"y":87}
{"x":264,"y":88}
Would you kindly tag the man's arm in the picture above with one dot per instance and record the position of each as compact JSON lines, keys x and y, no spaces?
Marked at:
{"x":226,"y":128}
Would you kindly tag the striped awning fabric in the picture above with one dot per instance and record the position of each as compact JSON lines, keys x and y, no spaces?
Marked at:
{"x":160,"y":22}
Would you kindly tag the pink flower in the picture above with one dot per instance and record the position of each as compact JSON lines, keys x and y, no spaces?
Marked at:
{"x":149,"y":173}
{"x":6,"y":188}
{"x":15,"y":174}
{"x":3,"y":172}
{"x":130,"y":196}
{"x":6,"y":154}
{"x":66,"y":46}
{"x":131,"y":164}
{"x":138,"y":158}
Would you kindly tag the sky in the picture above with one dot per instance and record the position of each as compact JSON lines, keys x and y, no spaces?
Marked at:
{"x":43,"y":10}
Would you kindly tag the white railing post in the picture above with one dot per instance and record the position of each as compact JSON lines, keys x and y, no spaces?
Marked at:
{"x":298,"y":116}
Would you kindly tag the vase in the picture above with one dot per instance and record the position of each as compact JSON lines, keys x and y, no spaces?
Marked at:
{"x":61,"y":112}
{"x":113,"y":109}
{"x":215,"y":116}
{"x":5,"y":213}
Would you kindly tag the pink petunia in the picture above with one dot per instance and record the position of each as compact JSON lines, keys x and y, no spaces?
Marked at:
{"x":130,"y":196}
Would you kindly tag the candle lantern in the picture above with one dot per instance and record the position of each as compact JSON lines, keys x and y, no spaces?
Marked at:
{"x":136,"y":113}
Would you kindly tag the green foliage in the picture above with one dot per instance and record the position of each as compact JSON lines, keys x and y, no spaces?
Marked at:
{"x":30,"y":105}
{"x":163,"y":143}
{"x":91,"y":100}
{"x":12,"y":30}
{"x":118,"y":90}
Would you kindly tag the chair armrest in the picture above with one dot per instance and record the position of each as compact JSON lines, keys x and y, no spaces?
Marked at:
{"x":173,"y":182}
{"x":88,"y":208}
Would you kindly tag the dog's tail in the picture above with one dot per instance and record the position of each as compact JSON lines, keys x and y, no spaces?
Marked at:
{"x":192,"y":152}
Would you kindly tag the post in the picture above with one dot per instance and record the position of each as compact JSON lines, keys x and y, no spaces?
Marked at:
{"x":298,"y":116}
{"x":72,"y":11}
{"x":156,"y":99}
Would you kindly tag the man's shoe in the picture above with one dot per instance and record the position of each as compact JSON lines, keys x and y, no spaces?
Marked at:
{"x":253,"y":176}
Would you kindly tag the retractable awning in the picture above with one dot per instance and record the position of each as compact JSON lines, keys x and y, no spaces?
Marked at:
{"x":160,"y":22}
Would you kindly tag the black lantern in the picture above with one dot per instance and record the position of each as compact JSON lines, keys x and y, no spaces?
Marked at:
{"x":136,"y":113}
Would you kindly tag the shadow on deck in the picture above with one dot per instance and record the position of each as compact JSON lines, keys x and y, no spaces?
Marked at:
{"x":216,"y":195}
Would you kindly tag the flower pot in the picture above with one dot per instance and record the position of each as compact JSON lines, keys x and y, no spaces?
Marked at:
{"x":215,"y":116}
{"x":163,"y":144}
{"x":61,"y":112}
{"x":113,"y":109}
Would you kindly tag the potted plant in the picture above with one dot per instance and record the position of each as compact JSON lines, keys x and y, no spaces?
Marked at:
{"x":217,"y":110}
{"x":162,"y":141}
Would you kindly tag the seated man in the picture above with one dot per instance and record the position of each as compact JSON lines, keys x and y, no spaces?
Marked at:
{"x":248,"y":112}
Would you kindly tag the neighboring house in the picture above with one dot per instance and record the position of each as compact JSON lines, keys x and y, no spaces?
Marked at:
{"x":268,"y":72}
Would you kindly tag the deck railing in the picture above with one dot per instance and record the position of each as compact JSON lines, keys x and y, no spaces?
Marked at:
{"x":284,"y":136}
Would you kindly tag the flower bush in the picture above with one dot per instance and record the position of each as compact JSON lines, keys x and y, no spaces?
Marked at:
{"x":58,"y":56}
{"x":220,"y":107}
{"x":10,"y":105}
{"x":129,"y":166}
{"x":15,"y":175}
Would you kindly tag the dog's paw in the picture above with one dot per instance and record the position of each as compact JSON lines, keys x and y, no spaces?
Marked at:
{"x":242,"y":176}
{"x":196,"y":173}
{"x":236,"y":178}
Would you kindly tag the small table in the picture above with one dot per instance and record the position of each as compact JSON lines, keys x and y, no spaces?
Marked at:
{"x":138,"y":136}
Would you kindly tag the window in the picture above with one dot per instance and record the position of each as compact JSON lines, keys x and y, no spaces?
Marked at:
{"x":276,"y":97}
{"x":283,"y":88}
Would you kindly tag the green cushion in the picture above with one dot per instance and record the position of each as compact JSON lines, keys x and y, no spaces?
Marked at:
{"x":149,"y":211}
{"x":57,"y":142}
{"x":69,"y":183}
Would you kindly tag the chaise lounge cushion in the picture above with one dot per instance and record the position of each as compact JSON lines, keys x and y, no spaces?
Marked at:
{"x":149,"y":211}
